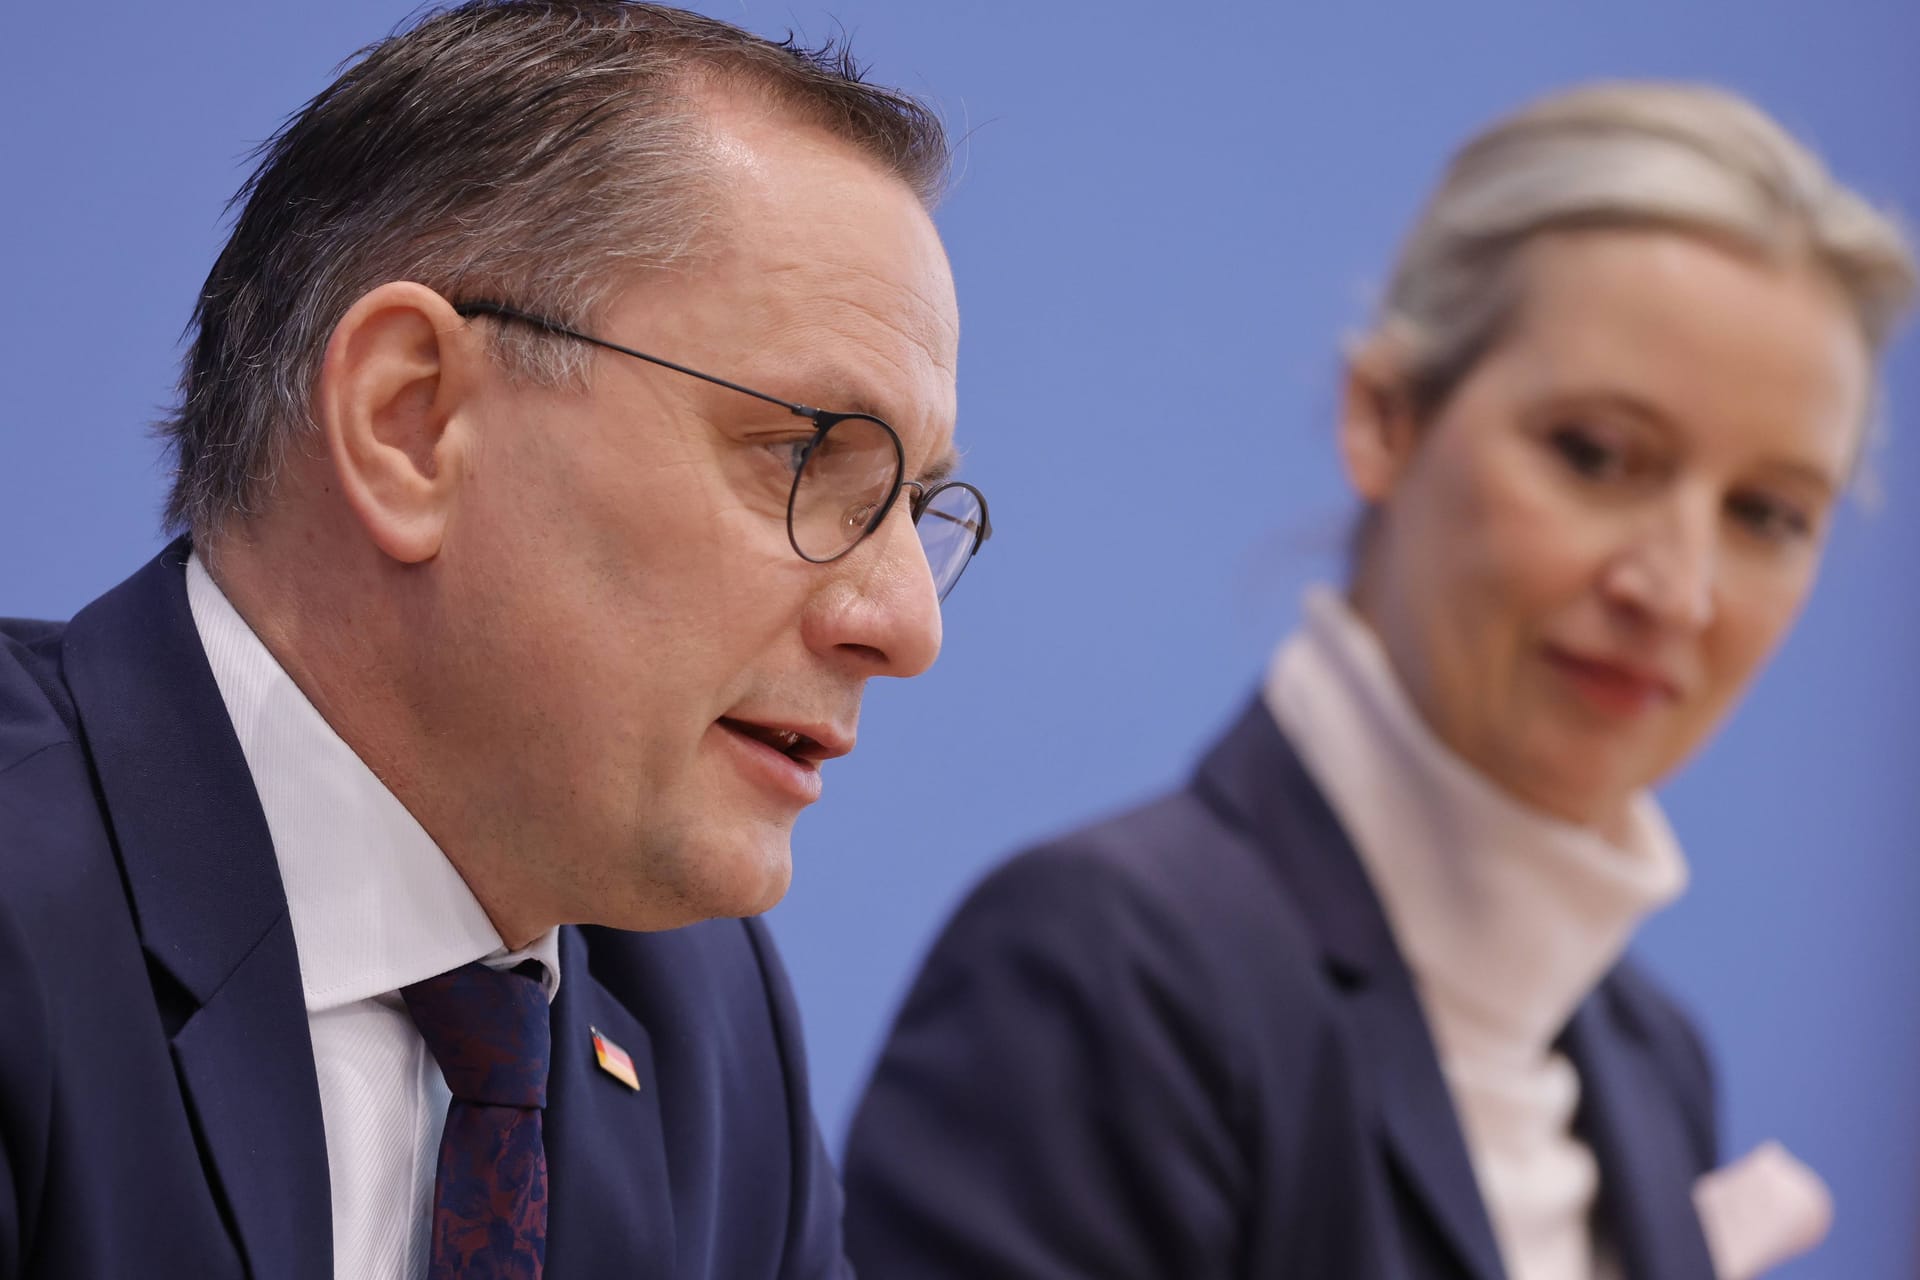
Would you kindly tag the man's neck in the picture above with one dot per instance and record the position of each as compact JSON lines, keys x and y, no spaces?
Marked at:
{"x":338,"y":646}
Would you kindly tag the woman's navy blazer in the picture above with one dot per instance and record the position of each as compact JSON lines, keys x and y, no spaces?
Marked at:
{"x":1182,"y":1045}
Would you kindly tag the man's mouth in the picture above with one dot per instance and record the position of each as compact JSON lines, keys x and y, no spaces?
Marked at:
{"x":800,"y":747}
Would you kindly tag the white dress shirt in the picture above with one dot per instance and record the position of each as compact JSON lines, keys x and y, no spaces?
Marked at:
{"x":375,"y":906}
{"x":1508,"y":918}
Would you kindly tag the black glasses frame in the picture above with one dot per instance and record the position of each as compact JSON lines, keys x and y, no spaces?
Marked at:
{"x":823,"y":421}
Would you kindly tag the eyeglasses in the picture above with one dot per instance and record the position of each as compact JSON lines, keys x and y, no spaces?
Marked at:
{"x":846,"y":476}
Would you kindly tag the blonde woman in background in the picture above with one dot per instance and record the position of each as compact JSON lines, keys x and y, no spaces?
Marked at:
{"x":1354,"y":1001}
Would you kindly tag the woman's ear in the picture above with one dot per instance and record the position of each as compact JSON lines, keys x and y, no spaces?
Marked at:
{"x":1377,"y":429}
{"x":397,"y":371}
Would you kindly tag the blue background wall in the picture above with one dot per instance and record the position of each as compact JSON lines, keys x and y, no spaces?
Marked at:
{"x":1166,"y":218}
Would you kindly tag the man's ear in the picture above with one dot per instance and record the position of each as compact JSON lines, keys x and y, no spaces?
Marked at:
{"x":398,"y":369}
{"x":1378,"y":435}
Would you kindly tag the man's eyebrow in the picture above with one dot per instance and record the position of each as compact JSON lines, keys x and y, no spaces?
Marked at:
{"x":839,"y":393}
{"x":940,"y":469}
{"x":834,"y":392}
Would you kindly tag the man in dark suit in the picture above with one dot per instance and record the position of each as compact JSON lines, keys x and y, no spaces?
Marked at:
{"x":487,"y":623}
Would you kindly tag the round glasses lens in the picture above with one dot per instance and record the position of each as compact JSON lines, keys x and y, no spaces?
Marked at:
{"x":850,"y":472}
{"x":949,"y":529}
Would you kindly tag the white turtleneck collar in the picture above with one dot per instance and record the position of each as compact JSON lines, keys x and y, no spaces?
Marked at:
{"x":1507,"y":916}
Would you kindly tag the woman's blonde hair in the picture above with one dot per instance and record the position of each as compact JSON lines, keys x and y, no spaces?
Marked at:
{"x":1675,"y":157}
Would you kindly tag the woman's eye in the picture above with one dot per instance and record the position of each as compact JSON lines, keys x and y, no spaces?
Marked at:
{"x":1770,"y":518}
{"x":1587,"y":454}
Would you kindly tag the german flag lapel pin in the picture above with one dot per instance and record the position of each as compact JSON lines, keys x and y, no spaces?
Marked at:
{"x":614,"y":1060}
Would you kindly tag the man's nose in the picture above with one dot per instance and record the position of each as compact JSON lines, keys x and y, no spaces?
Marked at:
{"x":882,"y":618}
{"x":1669,"y":568}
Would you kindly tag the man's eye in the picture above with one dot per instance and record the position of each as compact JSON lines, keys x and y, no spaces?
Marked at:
{"x":1587,"y":455}
{"x":792,"y":454}
{"x":1769,"y":518}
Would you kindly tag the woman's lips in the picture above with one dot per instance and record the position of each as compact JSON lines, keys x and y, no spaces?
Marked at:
{"x":1615,"y":688}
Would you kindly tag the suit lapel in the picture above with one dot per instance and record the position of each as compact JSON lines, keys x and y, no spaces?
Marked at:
{"x":1646,"y":1167}
{"x":611,"y":1210}
{"x":1417,"y":1118}
{"x":210,"y":909}
{"x":1257,"y":780}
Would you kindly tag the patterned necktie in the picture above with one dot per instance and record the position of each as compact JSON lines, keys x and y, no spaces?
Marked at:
{"x":487,"y":1028}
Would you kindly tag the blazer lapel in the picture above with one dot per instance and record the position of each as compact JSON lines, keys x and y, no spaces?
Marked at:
{"x":610,"y":1204}
{"x":1257,"y":780}
{"x":1416,"y":1111}
{"x":210,"y":909}
{"x":1646,"y":1168}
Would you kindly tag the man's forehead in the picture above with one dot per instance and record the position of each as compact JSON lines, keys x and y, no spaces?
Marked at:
{"x":834,"y":280}
{"x":784,"y":174}
{"x":746,"y":128}
{"x":793,"y":194}
{"x":867,"y":267}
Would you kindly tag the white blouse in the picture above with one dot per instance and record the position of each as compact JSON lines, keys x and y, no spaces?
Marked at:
{"x":1508,"y":918}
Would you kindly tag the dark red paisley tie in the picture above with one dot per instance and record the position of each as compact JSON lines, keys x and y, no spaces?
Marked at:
{"x":488,"y":1030}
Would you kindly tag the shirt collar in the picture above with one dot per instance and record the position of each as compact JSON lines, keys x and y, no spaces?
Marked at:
{"x":374,"y":902}
{"x":1507,"y":916}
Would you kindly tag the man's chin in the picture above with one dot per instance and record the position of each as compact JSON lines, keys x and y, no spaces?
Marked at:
{"x":775,"y":877}
{"x":692,"y":873}
{"x":736,"y":882}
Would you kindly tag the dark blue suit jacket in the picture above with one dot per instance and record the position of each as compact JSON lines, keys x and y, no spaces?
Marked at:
{"x":158,"y":1107}
{"x":1182,"y":1045}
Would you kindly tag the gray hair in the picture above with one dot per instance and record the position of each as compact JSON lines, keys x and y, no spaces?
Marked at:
{"x":1687,"y":158}
{"x":541,"y":151}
